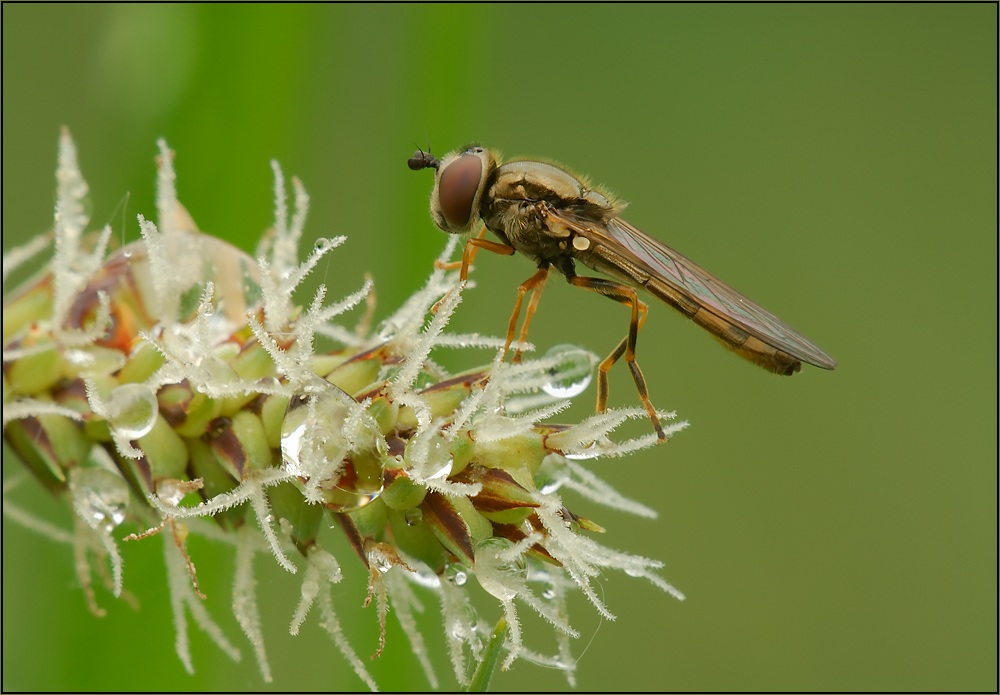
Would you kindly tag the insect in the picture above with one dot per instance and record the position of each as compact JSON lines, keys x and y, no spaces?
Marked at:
{"x":557,"y":218}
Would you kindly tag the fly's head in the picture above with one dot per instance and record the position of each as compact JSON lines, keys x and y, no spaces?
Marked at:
{"x":459,"y":185}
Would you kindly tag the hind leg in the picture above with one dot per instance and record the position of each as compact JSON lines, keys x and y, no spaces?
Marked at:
{"x":623,"y":294}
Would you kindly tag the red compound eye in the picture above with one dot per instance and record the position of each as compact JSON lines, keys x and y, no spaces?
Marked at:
{"x":457,"y":189}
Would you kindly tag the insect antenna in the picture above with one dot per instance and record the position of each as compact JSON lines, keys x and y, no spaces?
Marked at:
{"x":423,"y":160}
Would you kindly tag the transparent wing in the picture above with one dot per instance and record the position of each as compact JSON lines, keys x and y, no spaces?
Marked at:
{"x":623,"y":251}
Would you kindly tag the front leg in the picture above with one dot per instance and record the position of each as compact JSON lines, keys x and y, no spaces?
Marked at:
{"x":471,"y":247}
{"x":476,"y":243}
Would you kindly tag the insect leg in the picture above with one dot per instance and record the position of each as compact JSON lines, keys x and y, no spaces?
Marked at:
{"x":471,"y":246}
{"x":455,"y":265}
{"x":535,"y":284}
{"x":476,"y":243}
{"x":623,"y":294}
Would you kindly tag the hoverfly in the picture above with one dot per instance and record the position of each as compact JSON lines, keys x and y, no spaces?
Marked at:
{"x":556,"y":218}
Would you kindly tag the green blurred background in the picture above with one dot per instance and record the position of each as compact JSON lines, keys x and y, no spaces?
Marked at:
{"x":837,"y":163}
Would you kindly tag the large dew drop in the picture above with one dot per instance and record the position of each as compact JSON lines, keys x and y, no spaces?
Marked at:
{"x":100,"y":497}
{"x":572,"y":372}
{"x":132,"y":410}
{"x":499,"y":574}
{"x":316,"y":448}
{"x":456,"y":574}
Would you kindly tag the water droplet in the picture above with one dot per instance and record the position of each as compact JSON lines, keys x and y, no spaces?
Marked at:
{"x":463,"y":626}
{"x":413,"y":517}
{"x":443,"y":471}
{"x":549,"y":594}
{"x":100,"y":497}
{"x":156,"y":332}
{"x":217,"y":373}
{"x":78,"y":358}
{"x":378,"y":561}
{"x":171,"y":492}
{"x":439,"y":461}
{"x":572,"y":372}
{"x":425,"y":578}
{"x":498,"y":573}
{"x":551,"y":474}
{"x":591,"y":451}
{"x":268,"y":384}
{"x":387,"y":331}
{"x":456,"y":574}
{"x":132,"y":410}
{"x":314,"y":447}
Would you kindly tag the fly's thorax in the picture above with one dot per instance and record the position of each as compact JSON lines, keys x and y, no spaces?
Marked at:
{"x":459,"y":184}
{"x":532,"y":180}
{"x":519,"y":197}
{"x":518,"y":223}
{"x":525,"y":225}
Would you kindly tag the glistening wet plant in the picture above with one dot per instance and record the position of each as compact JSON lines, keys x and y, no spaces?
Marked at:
{"x":173,"y":387}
